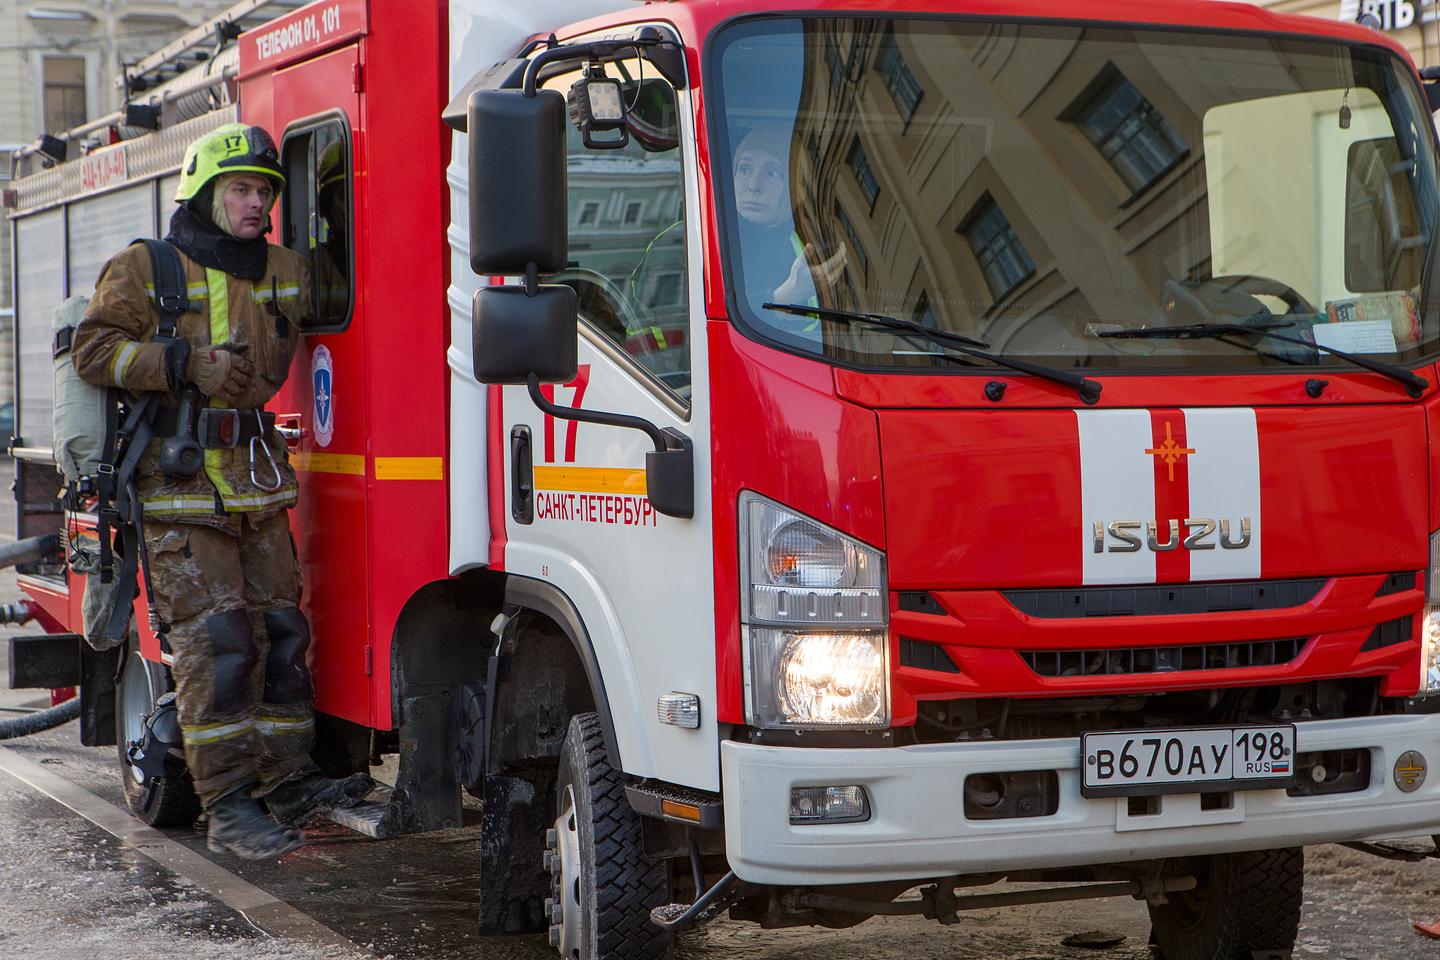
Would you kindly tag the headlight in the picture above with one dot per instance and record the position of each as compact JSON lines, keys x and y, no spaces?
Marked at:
{"x":1430,"y":627}
{"x":814,"y":609}
{"x":828,"y":679}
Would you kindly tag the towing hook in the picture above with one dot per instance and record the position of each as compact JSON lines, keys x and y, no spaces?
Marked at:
{"x":944,"y":906}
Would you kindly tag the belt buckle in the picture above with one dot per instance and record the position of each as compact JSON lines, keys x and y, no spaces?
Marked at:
{"x":225,"y":435}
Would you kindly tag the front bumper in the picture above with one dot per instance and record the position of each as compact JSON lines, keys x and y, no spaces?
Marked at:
{"x":918,"y":829}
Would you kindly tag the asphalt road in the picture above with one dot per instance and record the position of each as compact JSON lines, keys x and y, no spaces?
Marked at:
{"x":79,"y":881}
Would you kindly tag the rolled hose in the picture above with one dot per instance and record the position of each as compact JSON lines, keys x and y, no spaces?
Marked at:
{"x":30,"y":550}
{"x":32,"y":723}
{"x":27,"y":551}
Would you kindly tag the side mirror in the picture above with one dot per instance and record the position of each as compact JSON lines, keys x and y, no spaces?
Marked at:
{"x":529,"y":333}
{"x":1383,"y":237}
{"x":517,"y":226}
{"x":516,"y":334}
{"x":517,"y":181}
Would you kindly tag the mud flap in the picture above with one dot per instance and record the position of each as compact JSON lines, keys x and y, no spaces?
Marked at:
{"x":45,"y":661}
{"x":97,"y":695}
{"x":426,"y":796}
{"x":519,"y":808}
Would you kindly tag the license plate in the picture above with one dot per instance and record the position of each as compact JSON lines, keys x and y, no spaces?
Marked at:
{"x":1186,"y":760}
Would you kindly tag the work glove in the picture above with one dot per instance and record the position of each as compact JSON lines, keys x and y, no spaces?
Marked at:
{"x":222,"y":371}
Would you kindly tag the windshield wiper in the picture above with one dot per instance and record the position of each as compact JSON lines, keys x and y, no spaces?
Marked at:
{"x":1089,"y":390}
{"x":1414,"y":383}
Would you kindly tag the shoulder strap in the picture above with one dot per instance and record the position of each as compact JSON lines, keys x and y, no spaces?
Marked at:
{"x":119,"y":507}
{"x":105,"y":483}
{"x":171,"y":290}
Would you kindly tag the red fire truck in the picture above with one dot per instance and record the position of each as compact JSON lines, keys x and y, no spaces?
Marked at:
{"x":777,"y":457}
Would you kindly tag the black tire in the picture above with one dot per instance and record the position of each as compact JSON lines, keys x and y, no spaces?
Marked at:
{"x":167,"y":801}
{"x":1245,"y":904}
{"x":602,"y":912}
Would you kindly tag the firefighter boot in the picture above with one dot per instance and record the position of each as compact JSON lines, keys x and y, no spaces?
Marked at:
{"x":296,"y":801}
{"x":238,"y":825}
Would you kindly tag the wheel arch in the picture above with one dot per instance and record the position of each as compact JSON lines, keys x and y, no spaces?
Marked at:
{"x":442,"y":635}
{"x":551,"y":602}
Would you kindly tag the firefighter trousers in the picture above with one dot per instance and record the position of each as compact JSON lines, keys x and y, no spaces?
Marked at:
{"x":231,"y":597}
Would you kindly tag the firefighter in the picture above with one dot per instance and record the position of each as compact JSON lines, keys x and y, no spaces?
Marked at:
{"x":222,"y":560}
{"x":777,"y":264}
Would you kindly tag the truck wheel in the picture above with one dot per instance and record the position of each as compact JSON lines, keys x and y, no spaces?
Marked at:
{"x":167,"y":801}
{"x":1245,"y":905}
{"x":602,"y":884}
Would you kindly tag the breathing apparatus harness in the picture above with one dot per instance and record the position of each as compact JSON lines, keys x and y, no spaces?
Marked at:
{"x":129,"y":428}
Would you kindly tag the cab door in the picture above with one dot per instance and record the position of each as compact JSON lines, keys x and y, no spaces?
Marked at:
{"x":314,"y":112}
{"x":641,"y":581}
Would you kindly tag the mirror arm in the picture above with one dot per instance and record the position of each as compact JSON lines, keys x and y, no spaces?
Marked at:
{"x":598,"y":50}
{"x":656,"y":435}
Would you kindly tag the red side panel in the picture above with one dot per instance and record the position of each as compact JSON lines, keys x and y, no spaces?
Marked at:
{"x":371,"y":525}
{"x":785,"y":436}
{"x":1432,"y":420}
{"x":982,"y":498}
{"x":1343,"y":491}
{"x":330,"y":520}
{"x":403,"y":266}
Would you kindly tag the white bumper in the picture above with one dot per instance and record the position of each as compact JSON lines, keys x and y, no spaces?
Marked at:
{"x":918,"y":828}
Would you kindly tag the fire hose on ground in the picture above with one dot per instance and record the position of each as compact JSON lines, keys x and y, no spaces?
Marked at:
{"x":30,"y":550}
{"x":40,"y":720}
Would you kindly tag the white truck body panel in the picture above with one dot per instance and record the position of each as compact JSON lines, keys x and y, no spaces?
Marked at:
{"x":645,"y":591}
{"x":482,"y":32}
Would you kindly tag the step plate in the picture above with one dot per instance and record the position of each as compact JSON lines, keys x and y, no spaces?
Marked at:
{"x":367,"y":817}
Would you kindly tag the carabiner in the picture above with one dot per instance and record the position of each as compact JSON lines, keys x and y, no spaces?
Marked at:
{"x":269,"y":458}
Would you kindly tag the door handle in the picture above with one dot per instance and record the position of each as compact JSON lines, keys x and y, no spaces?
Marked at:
{"x":289,"y":426}
{"x":522,"y":476}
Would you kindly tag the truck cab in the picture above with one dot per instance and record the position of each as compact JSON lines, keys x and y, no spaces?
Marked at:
{"x":775,"y":460}
{"x":1059,"y":398}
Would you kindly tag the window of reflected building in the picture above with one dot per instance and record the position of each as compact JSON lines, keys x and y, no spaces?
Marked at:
{"x":836,"y":65}
{"x":924,"y":313}
{"x":1003,"y":259}
{"x":904,"y":89}
{"x":857,"y":249}
{"x":860,"y":164}
{"x":1130,"y":132}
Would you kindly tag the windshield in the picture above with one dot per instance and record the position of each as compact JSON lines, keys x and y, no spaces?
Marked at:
{"x":1034,"y":186}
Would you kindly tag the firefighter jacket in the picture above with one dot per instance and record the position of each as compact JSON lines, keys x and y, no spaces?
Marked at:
{"x":114,"y":346}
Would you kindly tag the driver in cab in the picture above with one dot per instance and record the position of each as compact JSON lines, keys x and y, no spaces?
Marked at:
{"x":777,"y":266}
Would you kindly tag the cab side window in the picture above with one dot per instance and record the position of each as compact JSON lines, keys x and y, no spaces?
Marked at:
{"x":627,"y":229}
{"x":316,"y":208}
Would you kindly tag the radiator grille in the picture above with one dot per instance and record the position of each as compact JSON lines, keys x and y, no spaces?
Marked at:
{"x":925,"y":656}
{"x":1200,"y":656}
{"x":1388,"y":634}
{"x":1149,"y":601}
{"x":1398,"y":583}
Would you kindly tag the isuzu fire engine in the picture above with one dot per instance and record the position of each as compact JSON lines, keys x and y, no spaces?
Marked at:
{"x":777,"y":457}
